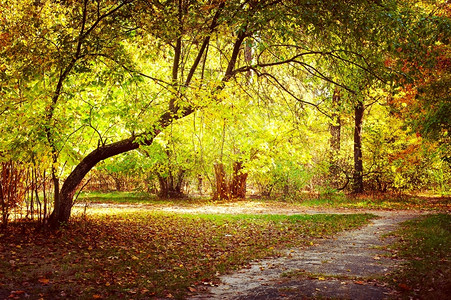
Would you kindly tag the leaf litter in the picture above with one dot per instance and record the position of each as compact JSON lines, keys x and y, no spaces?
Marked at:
{"x":142,"y":255}
{"x":350,"y":266}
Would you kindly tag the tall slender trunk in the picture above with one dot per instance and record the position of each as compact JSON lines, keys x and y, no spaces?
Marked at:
{"x":335,"y":139}
{"x":358,"y":164}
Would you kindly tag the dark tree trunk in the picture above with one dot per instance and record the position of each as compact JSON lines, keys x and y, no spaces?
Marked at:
{"x":171,"y":187}
{"x":119,"y":183}
{"x":358,"y":164}
{"x":61,"y":214}
{"x":335,"y":139}
{"x":164,"y":189}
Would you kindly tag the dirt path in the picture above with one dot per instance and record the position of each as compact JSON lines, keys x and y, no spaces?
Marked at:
{"x":342,"y":268}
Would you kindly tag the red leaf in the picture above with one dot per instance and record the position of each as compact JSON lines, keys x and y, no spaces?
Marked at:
{"x":404,"y":287}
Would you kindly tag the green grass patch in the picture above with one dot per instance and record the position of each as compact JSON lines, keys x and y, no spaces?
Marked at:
{"x":115,"y":197}
{"x":146,"y":254}
{"x":329,"y":200}
{"x":135,"y":198}
{"x":375,"y":201}
{"x":426,"y":245}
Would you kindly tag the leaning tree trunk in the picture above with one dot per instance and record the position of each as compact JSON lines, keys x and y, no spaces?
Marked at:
{"x":358,"y":164}
{"x":61,"y":213}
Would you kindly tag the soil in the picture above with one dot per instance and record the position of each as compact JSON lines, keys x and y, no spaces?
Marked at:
{"x":349,"y":266}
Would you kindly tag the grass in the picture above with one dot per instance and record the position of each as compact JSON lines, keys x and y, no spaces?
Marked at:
{"x":385,"y":201}
{"x":425,"y":243}
{"x":115,"y":197}
{"x":332,"y":200}
{"x":140,"y":255}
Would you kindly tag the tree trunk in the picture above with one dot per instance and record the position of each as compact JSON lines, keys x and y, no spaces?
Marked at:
{"x":358,"y":164}
{"x":164,"y":189}
{"x":61,"y":214}
{"x":335,"y":139}
{"x":238,"y":185}
{"x":222,"y":188}
{"x":234,"y":188}
{"x":170,"y":188}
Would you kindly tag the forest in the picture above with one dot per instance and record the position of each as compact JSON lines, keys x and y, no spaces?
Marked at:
{"x":221,"y":101}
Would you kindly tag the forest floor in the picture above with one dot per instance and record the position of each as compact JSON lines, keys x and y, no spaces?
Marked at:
{"x":348,"y":266}
{"x":355,"y":264}
{"x":189,"y":248}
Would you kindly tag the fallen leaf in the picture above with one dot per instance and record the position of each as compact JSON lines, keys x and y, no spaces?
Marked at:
{"x":44,"y":281}
{"x":360,"y":282}
{"x":17,"y":292}
{"x":404,"y":287}
{"x":192,"y":290}
{"x":144,"y":291}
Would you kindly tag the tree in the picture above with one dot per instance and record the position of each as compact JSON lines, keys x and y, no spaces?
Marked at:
{"x":128,"y":69}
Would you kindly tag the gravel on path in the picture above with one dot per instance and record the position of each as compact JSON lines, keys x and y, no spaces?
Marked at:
{"x":345,"y":267}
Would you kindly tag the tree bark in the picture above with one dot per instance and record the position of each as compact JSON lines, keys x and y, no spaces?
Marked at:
{"x":358,"y":164}
{"x":235,"y":188}
{"x":171,"y":187}
{"x":61,"y":214}
{"x":238,"y":185}
{"x":335,"y":139}
{"x":222,"y":188}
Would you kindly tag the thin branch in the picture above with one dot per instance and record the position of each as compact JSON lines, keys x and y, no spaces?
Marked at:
{"x":283,"y":87}
{"x":205,"y":43}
